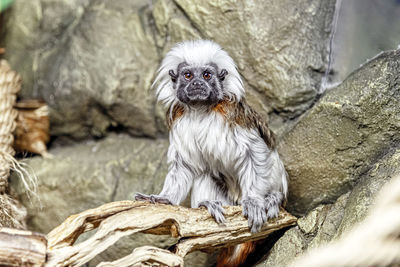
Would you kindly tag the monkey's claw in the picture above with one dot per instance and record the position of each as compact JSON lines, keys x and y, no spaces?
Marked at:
{"x":152,"y":198}
{"x":215,"y":208}
{"x":254,"y":210}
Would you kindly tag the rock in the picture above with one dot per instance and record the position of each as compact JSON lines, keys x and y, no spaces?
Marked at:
{"x":316,"y":228}
{"x":87,"y":175}
{"x":285,"y":58}
{"x":329,"y":222}
{"x":90,"y":174}
{"x":362,"y":197}
{"x":290,"y":245}
{"x":94,"y":61}
{"x":93,"y":64}
{"x":343,"y":134}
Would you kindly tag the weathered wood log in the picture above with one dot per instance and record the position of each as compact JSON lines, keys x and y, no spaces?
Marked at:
{"x":22,"y":248}
{"x":147,"y":256}
{"x":196,"y":228}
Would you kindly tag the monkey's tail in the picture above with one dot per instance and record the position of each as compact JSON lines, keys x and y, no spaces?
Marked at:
{"x":235,"y":255}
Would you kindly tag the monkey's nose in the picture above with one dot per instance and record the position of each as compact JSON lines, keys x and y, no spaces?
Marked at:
{"x":198,"y":83}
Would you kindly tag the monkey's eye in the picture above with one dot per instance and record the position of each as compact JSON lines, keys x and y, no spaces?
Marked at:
{"x":206,"y":75}
{"x":188,"y":75}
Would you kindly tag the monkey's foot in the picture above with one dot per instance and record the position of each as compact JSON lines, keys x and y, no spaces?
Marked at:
{"x":272,"y":203}
{"x":254,"y":210}
{"x":215,"y":208}
{"x":152,"y":198}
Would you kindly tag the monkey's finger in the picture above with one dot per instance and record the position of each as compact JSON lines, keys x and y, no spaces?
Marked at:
{"x":245,"y":211}
{"x":250,"y":217}
{"x":273,"y":212}
{"x":264,"y":216}
{"x":220,"y":209}
{"x":161,"y":200}
{"x":218,"y":216}
{"x":142,"y":197}
{"x":256,"y":226}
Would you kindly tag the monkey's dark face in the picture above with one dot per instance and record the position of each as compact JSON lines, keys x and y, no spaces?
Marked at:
{"x":196,"y":85}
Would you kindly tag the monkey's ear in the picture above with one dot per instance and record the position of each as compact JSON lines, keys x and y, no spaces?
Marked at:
{"x":174,"y":77}
{"x":222,"y":74}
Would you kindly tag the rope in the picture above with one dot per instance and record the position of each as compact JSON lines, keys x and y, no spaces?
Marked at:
{"x":375,"y":242}
{"x":10,"y":84}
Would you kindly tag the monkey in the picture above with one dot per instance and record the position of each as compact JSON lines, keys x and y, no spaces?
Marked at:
{"x":220,"y":148}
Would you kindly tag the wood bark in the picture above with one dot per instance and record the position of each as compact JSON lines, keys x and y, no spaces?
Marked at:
{"x":147,"y":256}
{"x":195,"y":228}
{"x":22,"y":248}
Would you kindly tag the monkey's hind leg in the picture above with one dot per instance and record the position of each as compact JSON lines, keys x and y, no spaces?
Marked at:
{"x":152,"y":198}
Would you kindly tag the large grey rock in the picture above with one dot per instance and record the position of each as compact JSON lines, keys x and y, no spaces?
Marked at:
{"x":362,"y":197}
{"x":93,"y":60}
{"x":280,"y":47}
{"x":316,"y":228}
{"x":343,"y":134}
{"x":90,"y":174}
{"x":329,"y":222}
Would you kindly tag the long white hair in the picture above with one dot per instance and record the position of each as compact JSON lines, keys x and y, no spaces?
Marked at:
{"x":197,"y":53}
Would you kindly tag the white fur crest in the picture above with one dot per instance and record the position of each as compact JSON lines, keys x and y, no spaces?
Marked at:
{"x":197,"y":53}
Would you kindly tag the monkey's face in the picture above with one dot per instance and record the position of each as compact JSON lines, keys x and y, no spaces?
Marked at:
{"x":197,"y":85}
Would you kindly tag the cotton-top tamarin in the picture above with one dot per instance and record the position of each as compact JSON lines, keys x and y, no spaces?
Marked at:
{"x":220,"y":148}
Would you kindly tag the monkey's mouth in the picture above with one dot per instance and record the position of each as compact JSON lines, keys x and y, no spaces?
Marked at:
{"x":198,"y":94}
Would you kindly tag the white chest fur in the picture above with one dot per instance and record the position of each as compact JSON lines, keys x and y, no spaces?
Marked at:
{"x":205,"y":141}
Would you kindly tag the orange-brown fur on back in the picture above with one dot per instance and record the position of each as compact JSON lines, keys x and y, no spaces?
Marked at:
{"x":235,"y":255}
{"x":240,"y":113}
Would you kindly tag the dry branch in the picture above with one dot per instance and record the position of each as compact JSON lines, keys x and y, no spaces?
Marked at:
{"x":147,"y":256}
{"x":22,"y":248}
{"x":118,"y":219}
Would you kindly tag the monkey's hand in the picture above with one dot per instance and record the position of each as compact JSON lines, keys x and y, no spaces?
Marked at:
{"x":215,"y":208}
{"x":152,"y":198}
{"x":255,"y":211}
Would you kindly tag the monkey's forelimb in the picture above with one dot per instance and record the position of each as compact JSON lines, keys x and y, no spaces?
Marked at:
{"x":152,"y":198}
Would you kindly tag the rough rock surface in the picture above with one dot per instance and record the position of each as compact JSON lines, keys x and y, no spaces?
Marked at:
{"x":328,"y":222}
{"x":88,"y":64}
{"x":268,"y":57}
{"x":339,"y":139}
{"x":93,"y":60}
{"x":90,"y":174}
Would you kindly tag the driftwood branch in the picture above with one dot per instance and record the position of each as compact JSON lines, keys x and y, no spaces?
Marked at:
{"x":147,"y":256}
{"x":196,"y":228}
{"x":22,"y":248}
